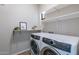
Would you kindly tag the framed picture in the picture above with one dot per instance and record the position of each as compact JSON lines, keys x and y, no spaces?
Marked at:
{"x":23,"y":25}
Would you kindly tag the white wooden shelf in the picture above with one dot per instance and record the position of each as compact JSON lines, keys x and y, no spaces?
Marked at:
{"x":56,"y":7}
{"x":63,"y":17}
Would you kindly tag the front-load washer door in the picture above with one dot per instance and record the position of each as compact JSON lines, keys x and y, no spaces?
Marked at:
{"x":34,"y":47}
{"x":49,"y":51}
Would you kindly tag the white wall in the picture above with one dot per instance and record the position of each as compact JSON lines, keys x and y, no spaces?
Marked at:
{"x":69,"y":26}
{"x":45,"y":7}
{"x":10,"y":15}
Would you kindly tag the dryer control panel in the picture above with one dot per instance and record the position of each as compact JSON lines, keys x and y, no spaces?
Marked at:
{"x":59,"y":45}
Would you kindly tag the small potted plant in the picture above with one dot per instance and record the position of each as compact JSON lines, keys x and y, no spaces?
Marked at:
{"x":34,"y":27}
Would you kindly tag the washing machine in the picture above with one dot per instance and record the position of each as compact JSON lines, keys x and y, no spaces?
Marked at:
{"x":35,"y":43}
{"x":56,"y":44}
{"x":54,"y":47}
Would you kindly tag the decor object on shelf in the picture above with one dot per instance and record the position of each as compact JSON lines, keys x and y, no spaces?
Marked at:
{"x":43,"y":15}
{"x":23,"y":25}
{"x":16,"y":29}
{"x":34,"y":27}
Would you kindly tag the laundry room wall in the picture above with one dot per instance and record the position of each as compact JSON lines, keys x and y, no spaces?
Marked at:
{"x":10,"y":16}
{"x":69,"y":26}
{"x":45,"y":7}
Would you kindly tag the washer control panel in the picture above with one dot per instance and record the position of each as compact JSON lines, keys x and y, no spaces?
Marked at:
{"x":59,"y":45}
{"x":35,"y":37}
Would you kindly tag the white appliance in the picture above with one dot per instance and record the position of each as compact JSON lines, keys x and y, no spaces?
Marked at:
{"x":56,"y":44}
{"x":35,"y":43}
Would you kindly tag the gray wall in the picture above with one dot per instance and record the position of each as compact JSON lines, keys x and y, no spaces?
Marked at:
{"x":69,"y":26}
{"x":20,"y":41}
{"x":10,"y":15}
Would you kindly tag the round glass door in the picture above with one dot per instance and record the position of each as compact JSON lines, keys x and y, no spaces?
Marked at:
{"x":34,"y":47}
{"x":48,"y":51}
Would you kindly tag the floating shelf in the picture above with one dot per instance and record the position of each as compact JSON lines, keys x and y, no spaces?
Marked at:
{"x":56,"y":7}
{"x":63,"y":17}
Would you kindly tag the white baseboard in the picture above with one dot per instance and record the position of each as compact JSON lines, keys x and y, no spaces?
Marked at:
{"x":4,"y":53}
